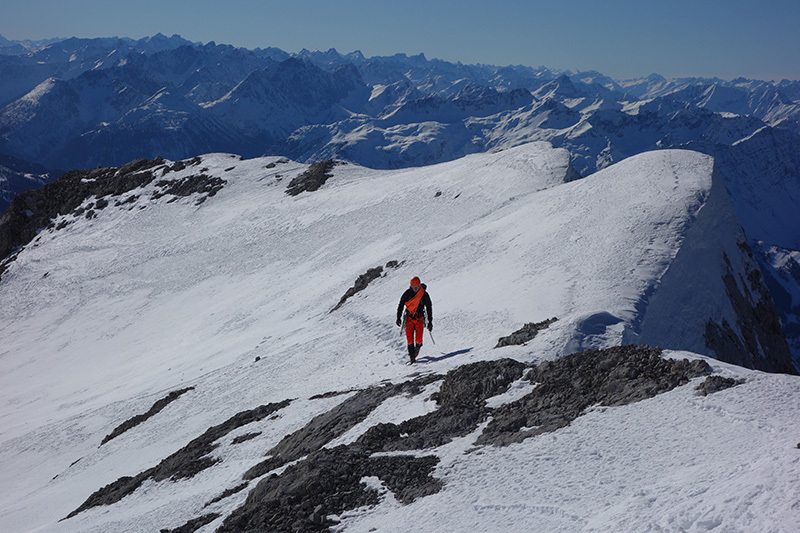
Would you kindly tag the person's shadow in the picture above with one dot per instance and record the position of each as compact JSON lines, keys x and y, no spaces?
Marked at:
{"x":429,"y":359}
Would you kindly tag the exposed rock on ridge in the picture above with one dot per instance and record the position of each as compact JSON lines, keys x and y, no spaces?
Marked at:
{"x":312,"y":179}
{"x":138,"y":419}
{"x":330,"y":481}
{"x":758,"y":322}
{"x":34,"y":210}
{"x":185,"y":463}
{"x":525,"y":333}
{"x":363,"y":281}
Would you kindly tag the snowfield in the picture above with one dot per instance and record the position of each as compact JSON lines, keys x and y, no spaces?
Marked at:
{"x":233,"y":297}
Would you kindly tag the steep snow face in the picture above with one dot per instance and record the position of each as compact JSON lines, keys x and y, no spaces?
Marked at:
{"x":715,"y":259}
{"x":109,"y":313}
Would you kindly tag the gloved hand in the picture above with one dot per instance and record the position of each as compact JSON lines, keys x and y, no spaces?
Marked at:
{"x":398,"y":322}
{"x":430,"y":326}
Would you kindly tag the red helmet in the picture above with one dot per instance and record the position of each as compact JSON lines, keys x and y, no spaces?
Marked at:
{"x":415,"y":282}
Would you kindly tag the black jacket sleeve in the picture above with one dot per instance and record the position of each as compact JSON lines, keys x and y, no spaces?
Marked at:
{"x":401,"y":305}
{"x":426,"y":301}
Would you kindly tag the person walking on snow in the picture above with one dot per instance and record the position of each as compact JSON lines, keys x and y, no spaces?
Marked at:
{"x":418,"y":307}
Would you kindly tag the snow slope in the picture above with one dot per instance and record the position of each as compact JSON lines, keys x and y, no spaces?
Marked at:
{"x":232,"y":297}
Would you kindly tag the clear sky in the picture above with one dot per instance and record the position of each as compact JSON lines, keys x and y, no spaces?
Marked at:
{"x":621,"y":38}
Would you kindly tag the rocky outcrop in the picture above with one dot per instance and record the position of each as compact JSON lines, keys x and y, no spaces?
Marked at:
{"x":329,"y":482}
{"x":202,"y":184}
{"x":312,"y":179}
{"x":566,"y":387}
{"x":185,"y":463}
{"x":35,"y":210}
{"x":335,"y":423}
{"x":759,"y":342}
{"x":193,"y":525}
{"x":716,"y":383}
{"x":526,"y":333}
{"x":363,"y":281}
{"x":138,"y":419}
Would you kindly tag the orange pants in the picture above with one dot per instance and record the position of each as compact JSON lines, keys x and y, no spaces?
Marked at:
{"x":414,"y":329}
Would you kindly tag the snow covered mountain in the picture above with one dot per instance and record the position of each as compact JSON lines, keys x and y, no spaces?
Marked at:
{"x":389,"y":112}
{"x":175,"y":356}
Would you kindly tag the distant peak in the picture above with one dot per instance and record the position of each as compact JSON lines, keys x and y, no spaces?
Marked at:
{"x":564,"y":81}
{"x":355,"y":54}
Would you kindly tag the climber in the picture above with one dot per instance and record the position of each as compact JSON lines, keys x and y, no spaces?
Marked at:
{"x":418,"y":310}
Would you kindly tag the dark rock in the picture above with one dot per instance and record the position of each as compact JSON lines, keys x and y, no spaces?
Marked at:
{"x":524,"y":334}
{"x":762,"y":344}
{"x":328,"y":426}
{"x":244,"y":438}
{"x":185,"y":463}
{"x":715,"y":383}
{"x":202,"y":184}
{"x":470,"y":385}
{"x":331,"y":394}
{"x":461,"y":398}
{"x":567,"y":386}
{"x":312,"y":179}
{"x":193,"y":525}
{"x":138,"y":419}
{"x":226,"y":493}
{"x":321,"y":481}
{"x":361,"y":283}
{"x":328,"y":482}
{"x":177,"y":166}
{"x":129,"y":200}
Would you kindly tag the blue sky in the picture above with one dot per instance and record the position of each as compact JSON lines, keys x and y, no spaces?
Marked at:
{"x":623,"y":39}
